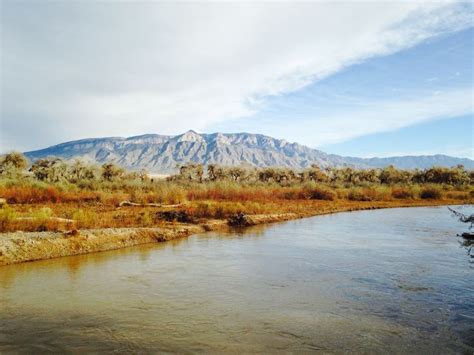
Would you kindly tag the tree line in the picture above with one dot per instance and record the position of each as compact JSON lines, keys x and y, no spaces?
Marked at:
{"x":389,"y":175}
{"x":56,"y":170}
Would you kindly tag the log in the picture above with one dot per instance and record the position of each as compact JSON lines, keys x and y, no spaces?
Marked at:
{"x":468,"y":235}
{"x":134,"y":204}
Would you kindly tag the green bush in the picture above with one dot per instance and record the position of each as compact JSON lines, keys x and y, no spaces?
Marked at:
{"x":7,"y":216}
{"x":85,"y":219}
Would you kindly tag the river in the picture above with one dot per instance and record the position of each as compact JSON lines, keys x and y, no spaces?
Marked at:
{"x":394,"y":280}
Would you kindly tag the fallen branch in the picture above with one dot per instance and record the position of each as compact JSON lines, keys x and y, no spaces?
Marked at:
{"x":463,"y":218}
{"x":134,"y":204}
{"x":57,"y":219}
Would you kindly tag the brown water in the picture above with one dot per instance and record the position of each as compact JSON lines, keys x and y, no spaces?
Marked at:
{"x":389,"y":280}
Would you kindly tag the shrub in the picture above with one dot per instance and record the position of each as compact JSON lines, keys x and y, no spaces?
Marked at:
{"x":458,"y":195}
{"x":41,"y":220}
{"x":145,"y":219}
{"x":7,"y":218}
{"x":111,"y":172}
{"x":172,"y":216}
{"x":359,"y":194}
{"x":85,"y":219}
{"x":320,"y":193}
{"x":174,"y":195}
{"x":13,"y":164}
{"x":402,"y":193}
{"x":431,"y":192}
{"x":43,"y":214}
{"x":239,"y":220}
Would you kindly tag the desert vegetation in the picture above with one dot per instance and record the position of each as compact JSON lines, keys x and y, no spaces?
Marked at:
{"x":52,"y":194}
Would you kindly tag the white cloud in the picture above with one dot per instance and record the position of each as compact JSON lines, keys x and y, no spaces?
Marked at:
{"x":383,"y":116}
{"x":98,"y":69}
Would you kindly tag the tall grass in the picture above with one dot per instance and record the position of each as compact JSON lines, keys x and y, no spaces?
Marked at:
{"x":94,"y":203}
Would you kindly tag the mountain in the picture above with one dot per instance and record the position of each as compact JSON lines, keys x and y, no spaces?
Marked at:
{"x":162,"y":154}
{"x":413,"y":161}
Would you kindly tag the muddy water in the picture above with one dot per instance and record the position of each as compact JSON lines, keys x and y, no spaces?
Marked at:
{"x":388,"y":280}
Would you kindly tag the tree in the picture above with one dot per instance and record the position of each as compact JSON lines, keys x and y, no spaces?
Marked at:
{"x":211,"y":172}
{"x":266,"y":175}
{"x":49,"y":169}
{"x":79,"y":171}
{"x":199,"y":172}
{"x":316,"y":174}
{"x":143,"y":175}
{"x":235,"y":173}
{"x":111,"y":172}
{"x":13,"y":162}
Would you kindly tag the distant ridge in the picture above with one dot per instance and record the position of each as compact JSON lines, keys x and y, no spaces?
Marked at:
{"x":162,"y":153}
{"x":413,"y":161}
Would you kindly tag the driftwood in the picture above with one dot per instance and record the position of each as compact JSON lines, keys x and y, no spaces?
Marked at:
{"x":57,"y":219}
{"x":463,"y":218}
{"x":134,"y":204}
{"x":467,"y":235}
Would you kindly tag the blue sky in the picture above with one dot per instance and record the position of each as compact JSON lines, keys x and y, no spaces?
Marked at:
{"x":437,"y":65}
{"x":352,"y":78}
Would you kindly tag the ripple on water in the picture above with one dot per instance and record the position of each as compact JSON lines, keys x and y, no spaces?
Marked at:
{"x":375,"y":281}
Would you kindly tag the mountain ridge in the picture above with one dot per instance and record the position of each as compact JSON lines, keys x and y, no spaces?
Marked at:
{"x":163,"y":153}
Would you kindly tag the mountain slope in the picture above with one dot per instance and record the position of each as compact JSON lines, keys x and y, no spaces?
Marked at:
{"x":159,"y":153}
{"x":412,"y":161}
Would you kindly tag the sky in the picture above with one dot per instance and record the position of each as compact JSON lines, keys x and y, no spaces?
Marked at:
{"x":348,"y":77}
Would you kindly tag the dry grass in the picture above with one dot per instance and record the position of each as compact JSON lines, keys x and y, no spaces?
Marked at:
{"x":35,"y":206}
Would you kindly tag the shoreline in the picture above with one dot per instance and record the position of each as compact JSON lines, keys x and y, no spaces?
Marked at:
{"x":19,"y":247}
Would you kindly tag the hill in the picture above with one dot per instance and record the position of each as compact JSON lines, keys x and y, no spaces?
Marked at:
{"x":162,"y":154}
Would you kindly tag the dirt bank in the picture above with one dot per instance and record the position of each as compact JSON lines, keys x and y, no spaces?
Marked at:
{"x":20,"y":247}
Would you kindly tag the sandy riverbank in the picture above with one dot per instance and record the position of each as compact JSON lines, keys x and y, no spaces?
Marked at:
{"x":17,"y":247}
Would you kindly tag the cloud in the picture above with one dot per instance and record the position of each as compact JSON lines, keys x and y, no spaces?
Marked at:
{"x":106,"y":68}
{"x":384,"y":116}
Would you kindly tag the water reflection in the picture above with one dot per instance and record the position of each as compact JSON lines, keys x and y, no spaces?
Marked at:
{"x":468,"y":244}
{"x":344,"y":282}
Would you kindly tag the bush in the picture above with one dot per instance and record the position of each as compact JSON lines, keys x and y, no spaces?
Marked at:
{"x":172,"y":216}
{"x":239,"y":220}
{"x":85,"y":219}
{"x":13,"y":164}
{"x":319,"y":193}
{"x":7,"y":218}
{"x":458,"y":195}
{"x":43,"y":214}
{"x":362,"y":194}
{"x":145,"y":219}
{"x":431,"y":192}
{"x":402,"y":193}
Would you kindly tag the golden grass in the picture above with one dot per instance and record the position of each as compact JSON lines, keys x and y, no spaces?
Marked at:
{"x":37,"y":206}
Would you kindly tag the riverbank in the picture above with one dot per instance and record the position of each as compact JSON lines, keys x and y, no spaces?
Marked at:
{"x":18,"y":247}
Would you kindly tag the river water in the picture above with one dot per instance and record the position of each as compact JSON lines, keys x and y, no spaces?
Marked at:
{"x":393,"y":280}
